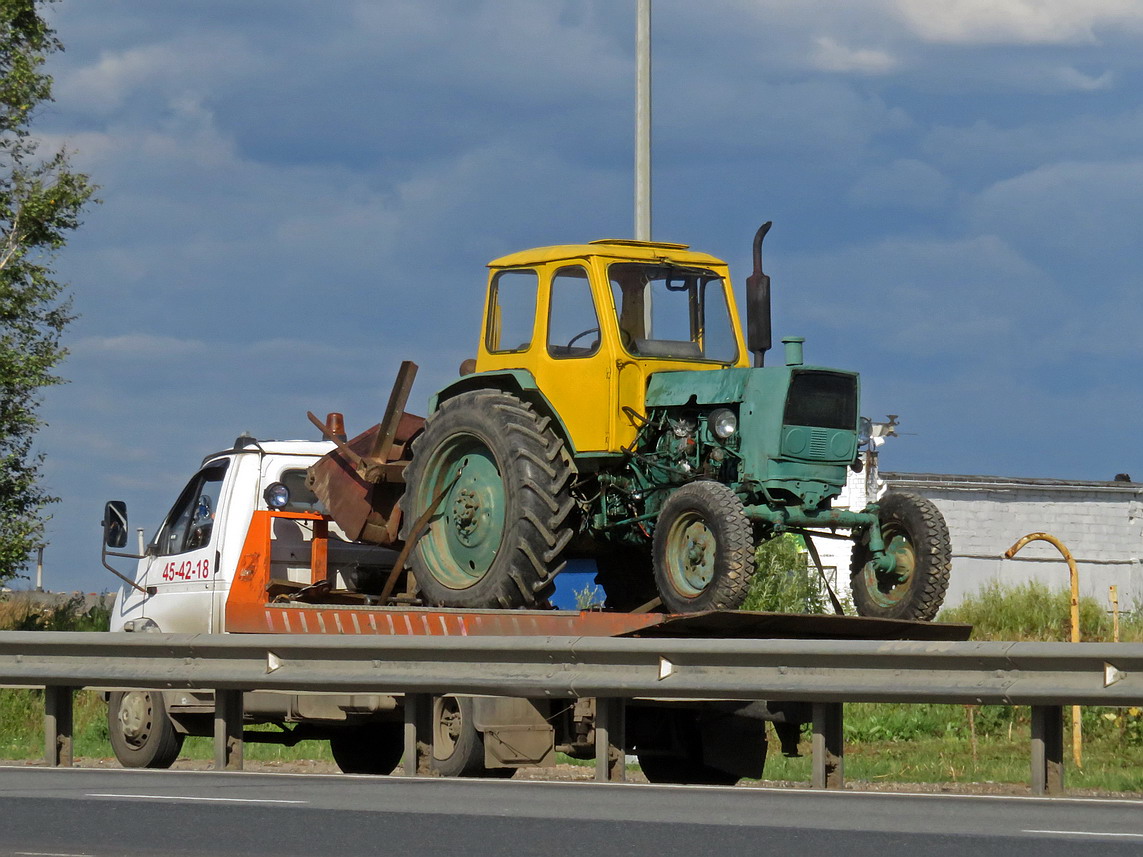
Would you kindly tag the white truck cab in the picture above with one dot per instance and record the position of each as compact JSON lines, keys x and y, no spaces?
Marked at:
{"x":185,"y":572}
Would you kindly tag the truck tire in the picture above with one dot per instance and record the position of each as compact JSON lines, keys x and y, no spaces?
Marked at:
{"x":915,"y":532}
{"x":141,"y":733}
{"x":682,"y":769}
{"x":368,"y":748}
{"x":501,"y":476}
{"x":703,"y":549}
{"x":458,"y":746}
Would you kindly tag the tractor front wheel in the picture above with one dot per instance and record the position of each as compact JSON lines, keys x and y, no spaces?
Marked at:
{"x":703,"y":549}
{"x":916,"y":536}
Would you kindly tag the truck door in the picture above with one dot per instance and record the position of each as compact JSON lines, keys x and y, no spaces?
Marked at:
{"x":182,"y":560}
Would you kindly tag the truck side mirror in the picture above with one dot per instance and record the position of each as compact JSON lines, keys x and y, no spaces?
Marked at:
{"x":115,"y":524}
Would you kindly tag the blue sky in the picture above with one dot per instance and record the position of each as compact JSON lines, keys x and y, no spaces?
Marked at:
{"x":297,"y":196}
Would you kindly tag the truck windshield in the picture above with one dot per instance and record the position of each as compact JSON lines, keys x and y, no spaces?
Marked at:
{"x":672,"y":312}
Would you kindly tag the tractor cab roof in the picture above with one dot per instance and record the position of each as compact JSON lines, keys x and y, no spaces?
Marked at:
{"x":612,"y":248}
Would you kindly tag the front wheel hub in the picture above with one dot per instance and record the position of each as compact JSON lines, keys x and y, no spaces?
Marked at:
{"x":135,"y":716}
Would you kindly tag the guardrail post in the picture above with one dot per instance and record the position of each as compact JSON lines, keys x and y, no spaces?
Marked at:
{"x":57,"y":726}
{"x":228,"y":730}
{"x":1047,"y":749}
{"x":829,"y":746}
{"x":417,"y":711}
{"x":610,"y":740}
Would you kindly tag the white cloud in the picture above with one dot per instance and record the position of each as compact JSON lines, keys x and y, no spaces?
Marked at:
{"x":921,"y":297}
{"x":831,"y":55}
{"x":905,"y":183}
{"x":130,"y":78}
{"x":1078,"y":210}
{"x":1025,"y":22}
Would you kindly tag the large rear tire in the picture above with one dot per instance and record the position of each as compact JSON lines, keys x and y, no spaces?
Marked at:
{"x":703,"y":549}
{"x":141,"y":733}
{"x":369,"y":748}
{"x":499,"y":476}
{"x":915,"y":533}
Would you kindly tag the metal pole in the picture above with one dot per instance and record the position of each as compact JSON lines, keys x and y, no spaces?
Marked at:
{"x":1047,"y":749}
{"x":1113,"y":596}
{"x":1073,"y":573}
{"x":643,"y":120}
{"x":58,"y":708}
{"x":829,"y":746}
{"x":40,"y":569}
{"x":228,"y":748}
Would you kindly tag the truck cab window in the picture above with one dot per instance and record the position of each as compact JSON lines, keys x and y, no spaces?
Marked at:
{"x":302,"y":499}
{"x":573,"y":326}
{"x":512,"y":310}
{"x":190,"y":523}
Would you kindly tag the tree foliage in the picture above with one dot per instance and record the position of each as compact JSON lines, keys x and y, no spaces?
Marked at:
{"x":41,"y":199}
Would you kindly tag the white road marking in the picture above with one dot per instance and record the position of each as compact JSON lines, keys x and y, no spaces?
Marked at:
{"x":1086,"y":833}
{"x":192,"y":798}
{"x":46,"y":854}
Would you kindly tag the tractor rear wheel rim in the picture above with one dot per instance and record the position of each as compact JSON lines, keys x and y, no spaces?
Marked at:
{"x":466,"y":532}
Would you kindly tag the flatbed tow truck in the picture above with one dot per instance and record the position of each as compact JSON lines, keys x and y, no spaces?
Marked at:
{"x":225,"y":561}
{"x":615,"y":411}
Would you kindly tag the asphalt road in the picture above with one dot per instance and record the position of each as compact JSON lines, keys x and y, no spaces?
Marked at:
{"x":99,"y":813}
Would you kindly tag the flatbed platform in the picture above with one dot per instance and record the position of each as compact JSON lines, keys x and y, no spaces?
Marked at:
{"x":297,"y":618}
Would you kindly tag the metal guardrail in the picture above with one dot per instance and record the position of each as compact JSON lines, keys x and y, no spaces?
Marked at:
{"x":828,"y":673}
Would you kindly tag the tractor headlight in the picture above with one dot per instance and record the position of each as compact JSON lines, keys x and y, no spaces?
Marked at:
{"x":276,"y":496}
{"x":723,"y":423}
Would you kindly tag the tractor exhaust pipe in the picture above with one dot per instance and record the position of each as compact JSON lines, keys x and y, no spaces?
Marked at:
{"x":759,"y":337}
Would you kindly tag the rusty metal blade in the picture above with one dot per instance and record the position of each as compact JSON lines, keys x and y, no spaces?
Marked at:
{"x":393,"y":411}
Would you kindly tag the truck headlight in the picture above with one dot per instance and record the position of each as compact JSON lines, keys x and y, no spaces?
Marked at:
{"x":723,"y":422}
{"x":276,"y":495}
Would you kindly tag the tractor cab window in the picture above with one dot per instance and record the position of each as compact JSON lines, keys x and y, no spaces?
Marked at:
{"x":573,"y":326}
{"x":673,"y":312}
{"x":512,"y":310}
{"x":190,"y":523}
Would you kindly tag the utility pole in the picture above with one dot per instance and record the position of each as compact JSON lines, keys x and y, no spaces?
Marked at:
{"x":642,"y":120}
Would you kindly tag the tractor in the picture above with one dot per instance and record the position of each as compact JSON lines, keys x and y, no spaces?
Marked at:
{"x":615,"y":410}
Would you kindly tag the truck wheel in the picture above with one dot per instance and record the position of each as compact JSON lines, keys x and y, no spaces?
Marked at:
{"x":370,"y":748}
{"x":141,"y":733}
{"x":458,"y":746}
{"x":502,"y":479}
{"x":703,"y":549}
{"x":916,"y":534}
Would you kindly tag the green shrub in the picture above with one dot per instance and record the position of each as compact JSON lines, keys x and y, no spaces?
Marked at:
{"x":784,"y":581}
{"x":21,"y":613}
{"x":1032,"y":611}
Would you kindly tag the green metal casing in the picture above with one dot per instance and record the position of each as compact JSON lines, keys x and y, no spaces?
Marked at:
{"x":779,"y":463}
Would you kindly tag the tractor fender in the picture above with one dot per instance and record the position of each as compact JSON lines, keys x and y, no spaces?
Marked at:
{"x":519,"y":382}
